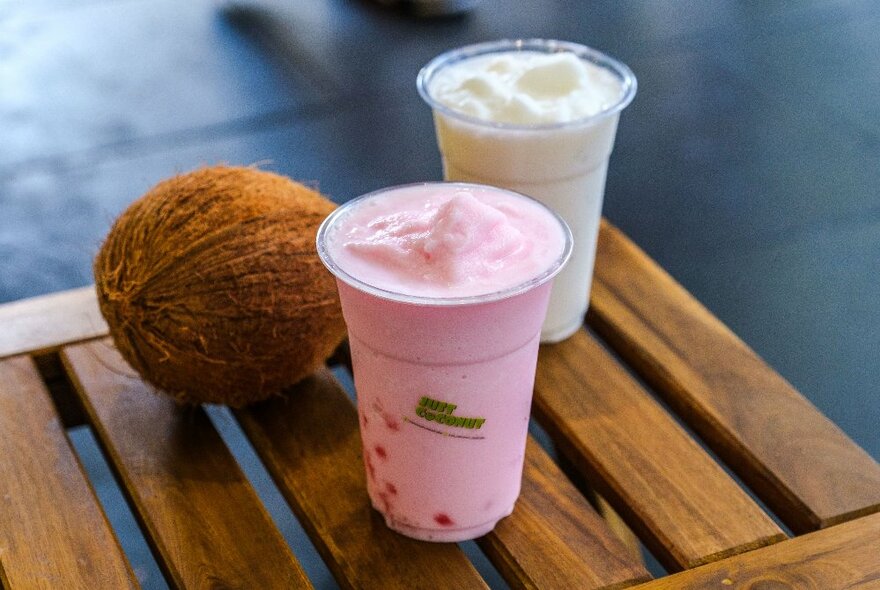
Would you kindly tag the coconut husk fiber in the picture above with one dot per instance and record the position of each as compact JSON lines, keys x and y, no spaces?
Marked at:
{"x":213,"y":289}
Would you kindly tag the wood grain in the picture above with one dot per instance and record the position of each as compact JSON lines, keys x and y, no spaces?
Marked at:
{"x":674,"y":496}
{"x":42,"y":324}
{"x":310,"y":443}
{"x":53,"y":534}
{"x":845,"y":557}
{"x":799,"y":462}
{"x":205,"y":523}
{"x":554,"y":539}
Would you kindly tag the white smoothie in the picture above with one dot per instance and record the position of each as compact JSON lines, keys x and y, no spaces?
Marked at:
{"x":538,"y":117}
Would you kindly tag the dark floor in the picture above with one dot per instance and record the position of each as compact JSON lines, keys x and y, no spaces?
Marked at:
{"x":748,"y":165}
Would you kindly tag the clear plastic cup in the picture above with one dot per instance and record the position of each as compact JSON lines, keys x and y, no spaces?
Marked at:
{"x":563,"y":165}
{"x":444,"y":388}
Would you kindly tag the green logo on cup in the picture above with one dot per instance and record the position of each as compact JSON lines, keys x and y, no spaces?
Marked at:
{"x":440,"y":412}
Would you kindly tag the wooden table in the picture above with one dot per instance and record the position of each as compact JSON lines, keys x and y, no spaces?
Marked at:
{"x":207,"y":527}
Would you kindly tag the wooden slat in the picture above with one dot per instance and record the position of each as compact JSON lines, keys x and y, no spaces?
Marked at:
{"x":799,"y":462}
{"x":846,"y":557}
{"x":679,"y":501}
{"x":554,"y":539}
{"x":204,"y":521}
{"x":42,"y":324}
{"x":310,"y":444}
{"x":53,"y":534}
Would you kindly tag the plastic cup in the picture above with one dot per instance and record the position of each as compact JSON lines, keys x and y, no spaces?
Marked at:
{"x":563,"y":165}
{"x":444,"y":389}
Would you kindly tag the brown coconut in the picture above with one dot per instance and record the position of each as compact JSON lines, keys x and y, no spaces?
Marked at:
{"x":212,"y":287}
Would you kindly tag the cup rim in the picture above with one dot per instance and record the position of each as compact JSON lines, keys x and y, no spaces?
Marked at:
{"x":388,"y":294}
{"x":594,"y":56}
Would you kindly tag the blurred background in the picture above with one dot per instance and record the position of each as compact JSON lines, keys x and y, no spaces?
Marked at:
{"x":748,"y":165}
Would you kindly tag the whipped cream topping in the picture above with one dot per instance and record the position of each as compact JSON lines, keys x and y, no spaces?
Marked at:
{"x":526,"y":87}
{"x":446,"y":240}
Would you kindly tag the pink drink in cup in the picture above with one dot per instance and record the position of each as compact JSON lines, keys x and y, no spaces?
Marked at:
{"x":444,"y":287}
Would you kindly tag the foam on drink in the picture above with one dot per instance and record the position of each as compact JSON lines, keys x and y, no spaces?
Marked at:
{"x":433,"y":241}
{"x":526,"y":88}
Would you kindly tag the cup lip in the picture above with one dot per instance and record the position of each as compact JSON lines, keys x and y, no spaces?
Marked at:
{"x":594,"y":56}
{"x":517,"y":289}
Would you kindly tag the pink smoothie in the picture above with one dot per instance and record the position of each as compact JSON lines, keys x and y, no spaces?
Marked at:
{"x":444,"y":288}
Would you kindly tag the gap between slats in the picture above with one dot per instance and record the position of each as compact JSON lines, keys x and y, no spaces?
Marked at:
{"x":602,"y":505}
{"x":110,"y":495}
{"x":184,"y":487}
{"x":116,"y":505}
{"x":59,"y":535}
{"x":647,"y":388}
{"x":675,"y":497}
{"x":798,"y":461}
{"x":123,"y":522}
{"x":844,"y":556}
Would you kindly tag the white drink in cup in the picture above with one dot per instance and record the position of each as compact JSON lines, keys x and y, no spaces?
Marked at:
{"x":538,"y":117}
